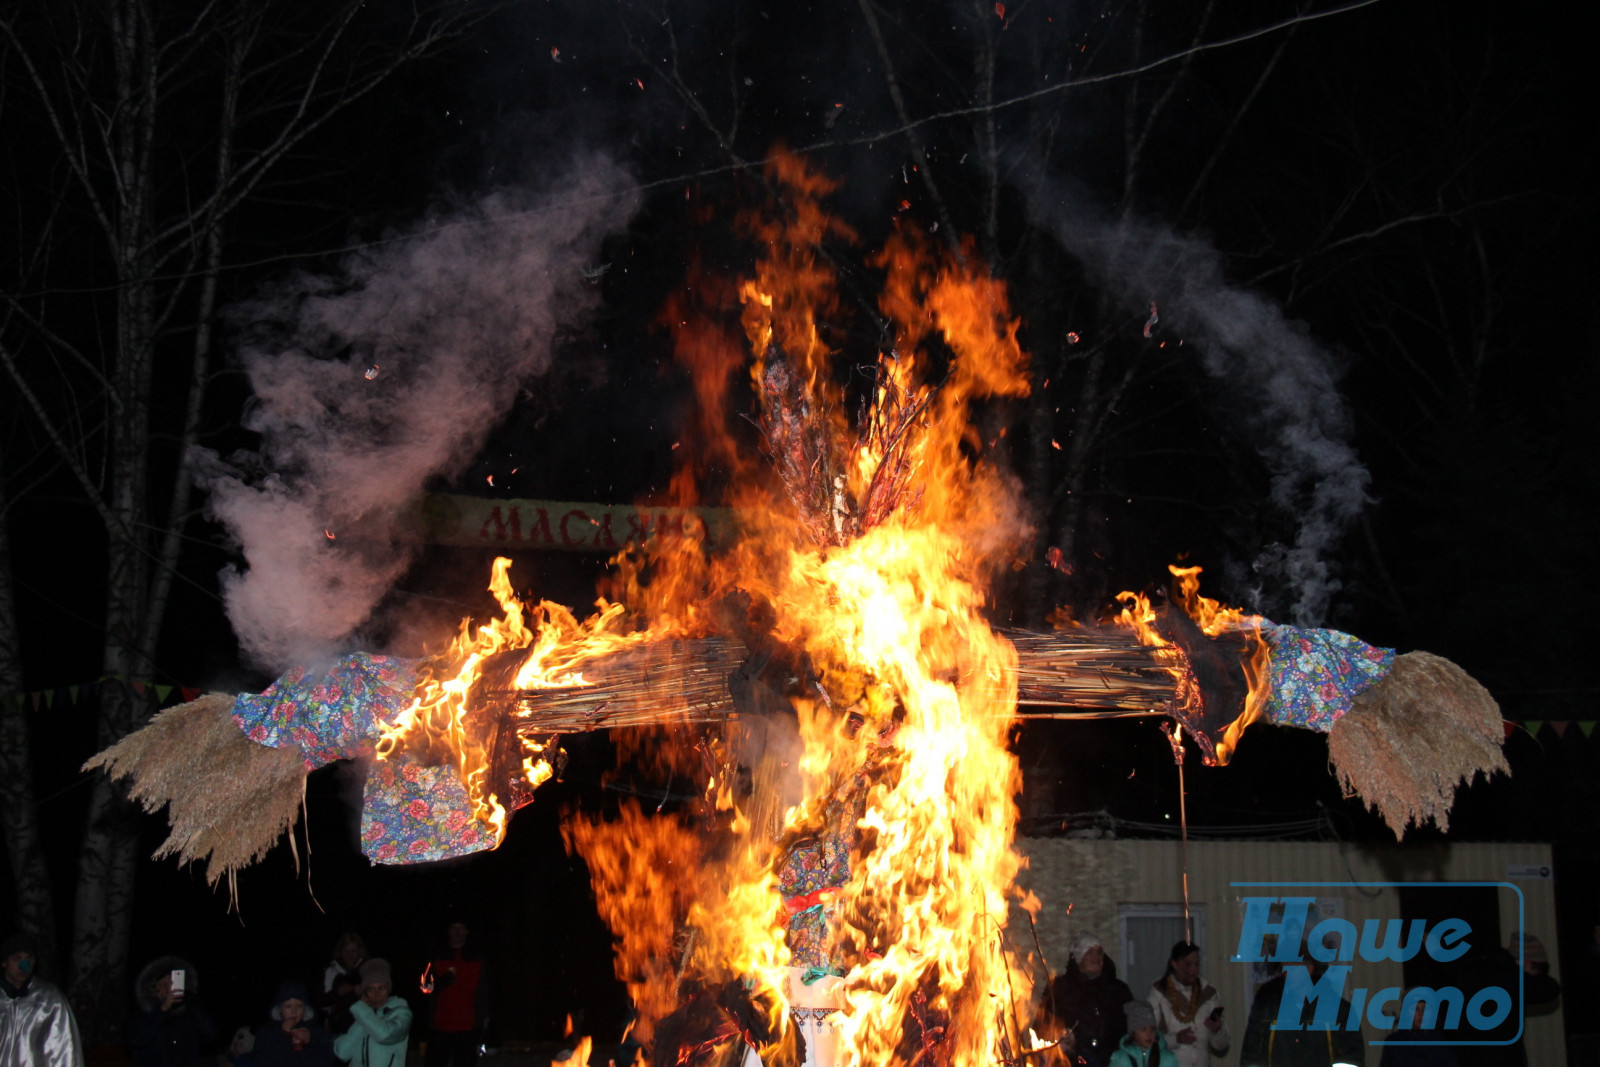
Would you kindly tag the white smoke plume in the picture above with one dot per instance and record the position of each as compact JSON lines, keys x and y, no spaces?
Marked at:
{"x":1280,"y":373}
{"x":372,"y":381}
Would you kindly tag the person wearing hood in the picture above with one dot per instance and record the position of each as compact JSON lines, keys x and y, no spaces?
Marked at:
{"x":1188,"y":1011}
{"x":1143,"y":1046}
{"x":380,"y":1026}
{"x":168,"y":1028}
{"x":294,"y":1037}
{"x":1087,"y":1000}
{"x":37,"y":1026}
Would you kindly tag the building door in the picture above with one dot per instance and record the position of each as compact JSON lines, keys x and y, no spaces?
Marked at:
{"x":1147,"y":933}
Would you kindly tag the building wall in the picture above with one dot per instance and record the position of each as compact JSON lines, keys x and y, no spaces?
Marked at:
{"x":1082,"y":885}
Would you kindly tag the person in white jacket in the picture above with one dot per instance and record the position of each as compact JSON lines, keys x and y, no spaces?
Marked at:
{"x":37,"y":1028}
{"x":1188,"y":1011}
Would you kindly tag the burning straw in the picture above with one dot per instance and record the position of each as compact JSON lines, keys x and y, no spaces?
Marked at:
{"x":686,"y":681}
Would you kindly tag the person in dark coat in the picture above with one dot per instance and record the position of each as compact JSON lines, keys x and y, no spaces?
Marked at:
{"x":1265,"y":1047}
{"x":293,"y":1037}
{"x":459,"y":985}
{"x":1086,"y":999}
{"x":1491,"y":965}
{"x":341,"y":982}
{"x":1428,"y":1052}
{"x":170,"y":1028}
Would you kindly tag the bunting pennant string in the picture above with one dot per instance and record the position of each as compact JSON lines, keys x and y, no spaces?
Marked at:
{"x":76,"y":694}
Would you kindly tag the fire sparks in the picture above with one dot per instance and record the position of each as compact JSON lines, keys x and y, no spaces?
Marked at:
{"x":868,"y":872}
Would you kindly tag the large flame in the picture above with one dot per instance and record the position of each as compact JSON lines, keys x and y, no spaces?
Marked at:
{"x":867,"y":547}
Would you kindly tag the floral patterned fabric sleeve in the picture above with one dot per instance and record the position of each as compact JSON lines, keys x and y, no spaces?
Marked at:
{"x":1316,"y":674}
{"x":410,"y":813}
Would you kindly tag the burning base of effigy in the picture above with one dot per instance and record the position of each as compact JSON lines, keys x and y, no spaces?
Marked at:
{"x":840,"y":893}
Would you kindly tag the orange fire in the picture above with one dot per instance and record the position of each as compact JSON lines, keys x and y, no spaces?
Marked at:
{"x":440,"y":718}
{"x":1214,"y":619}
{"x":867,"y":549}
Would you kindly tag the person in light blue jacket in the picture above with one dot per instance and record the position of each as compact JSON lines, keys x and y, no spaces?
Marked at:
{"x":381,"y":1030}
{"x":1144,"y":1046}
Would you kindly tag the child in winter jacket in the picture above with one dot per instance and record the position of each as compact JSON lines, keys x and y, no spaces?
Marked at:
{"x":1143,"y":1047}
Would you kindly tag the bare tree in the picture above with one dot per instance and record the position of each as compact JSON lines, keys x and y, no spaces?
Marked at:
{"x":143,"y":129}
{"x":19,"y":815}
{"x":979,"y":99}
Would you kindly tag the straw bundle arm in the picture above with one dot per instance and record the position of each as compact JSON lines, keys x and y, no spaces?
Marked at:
{"x":1402,"y":745}
{"x":1093,"y":672}
{"x":228,"y":798}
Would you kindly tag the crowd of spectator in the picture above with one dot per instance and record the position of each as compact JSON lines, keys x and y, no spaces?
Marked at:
{"x":352,"y":1014}
{"x":349,"y":1014}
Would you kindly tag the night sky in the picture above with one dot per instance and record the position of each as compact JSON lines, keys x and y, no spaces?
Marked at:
{"x":1397,"y":196}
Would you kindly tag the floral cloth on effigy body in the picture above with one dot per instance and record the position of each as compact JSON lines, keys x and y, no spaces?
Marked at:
{"x":1316,"y":674}
{"x":409,"y":813}
{"x":413,"y":814}
{"x":809,"y":875}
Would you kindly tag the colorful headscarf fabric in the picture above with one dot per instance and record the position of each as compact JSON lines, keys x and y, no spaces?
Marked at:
{"x":1316,"y":674}
{"x":409,"y":813}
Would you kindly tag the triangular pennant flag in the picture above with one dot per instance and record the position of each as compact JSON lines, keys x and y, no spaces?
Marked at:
{"x":138,"y":687}
{"x":1560,"y":727}
{"x":189,"y":694}
{"x":72,"y":691}
{"x":162,"y":693}
{"x":1509,"y":727}
{"x":36,"y":697}
{"x":1532,"y":726}
{"x":50,"y":698}
{"x":1587,"y":726}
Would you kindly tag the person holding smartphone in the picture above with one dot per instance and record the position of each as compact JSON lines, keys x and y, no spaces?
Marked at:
{"x":169,"y":1028}
{"x":1188,"y":1010}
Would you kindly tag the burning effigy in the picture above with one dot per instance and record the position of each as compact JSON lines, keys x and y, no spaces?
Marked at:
{"x":840,"y":892}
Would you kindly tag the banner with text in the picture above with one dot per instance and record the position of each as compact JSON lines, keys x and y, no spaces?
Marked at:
{"x":561,"y":525}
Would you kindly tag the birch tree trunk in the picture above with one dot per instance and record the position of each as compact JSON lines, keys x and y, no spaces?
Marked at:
{"x":125,"y":89}
{"x":19,"y":812}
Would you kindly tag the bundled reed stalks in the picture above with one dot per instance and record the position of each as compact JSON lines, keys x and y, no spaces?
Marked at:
{"x":1408,"y":741}
{"x":228,"y":799}
{"x":1099,"y":668}
{"x":677,"y":680}
{"x":1095,"y":672}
